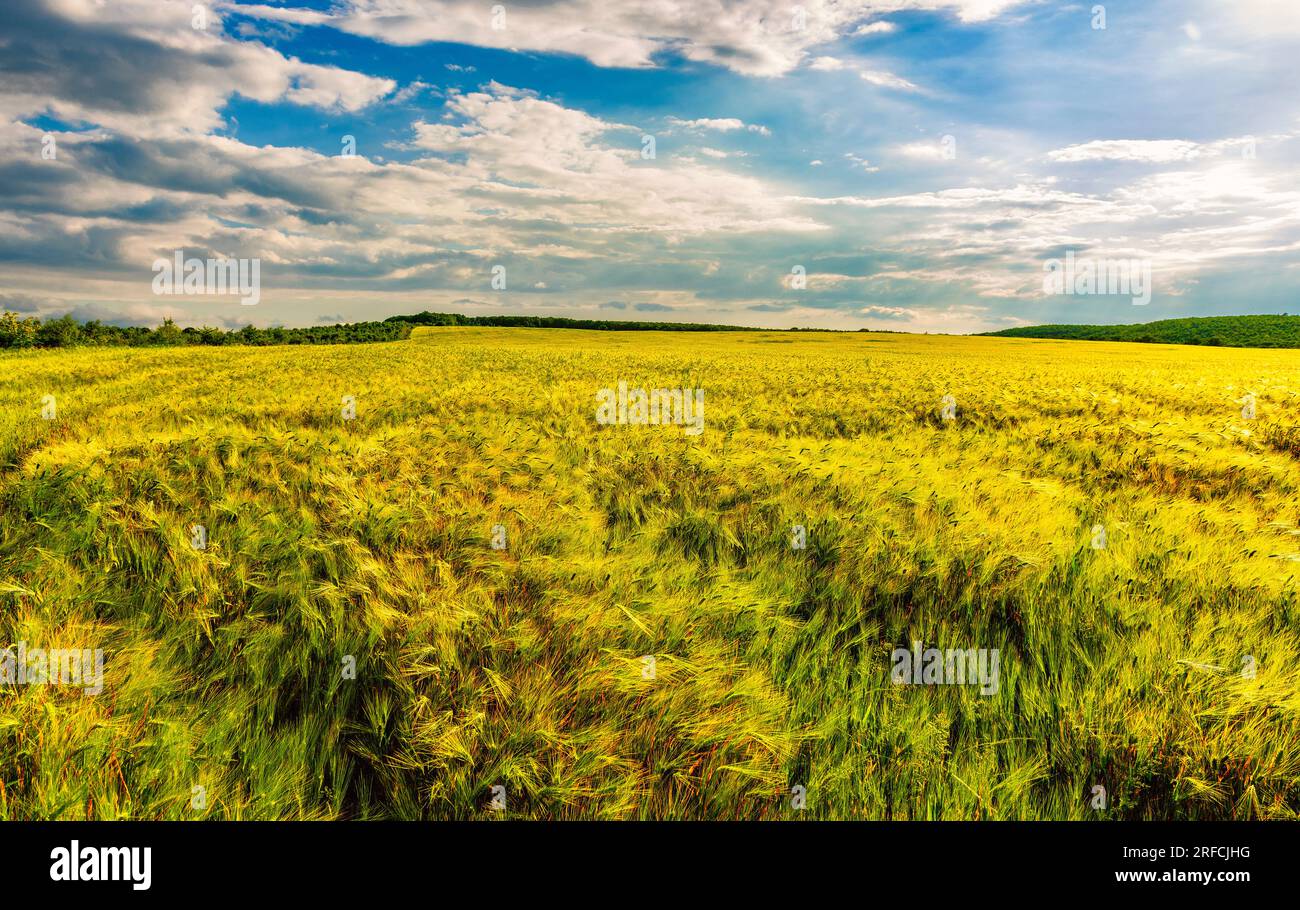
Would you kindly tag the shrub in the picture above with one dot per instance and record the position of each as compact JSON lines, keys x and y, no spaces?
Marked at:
{"x":16,"y":332}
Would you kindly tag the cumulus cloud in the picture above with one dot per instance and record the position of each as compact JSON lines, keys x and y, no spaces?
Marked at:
{"x":22,"y":303}
{"x":887,"y":80}
{"x":1157,"y":151}
{"x":142,"y":67}
{"x":1264,"y":18}
{"x":889,"y":312}
{"x":510,"y":176}
{"x":560,"y":193}
{"x":923,"y":151}
{"x":827,"y":64}
{"x":721,"y":124}
{"x":537,"y":159}
{"x":755,"y":37}
{"x":1206,"y":212}
{"x":876,"y":77}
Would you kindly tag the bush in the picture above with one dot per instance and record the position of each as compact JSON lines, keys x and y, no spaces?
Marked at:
{"x":16,"y":332}
{"x":168,"y":334}
{"x":60,"y":333}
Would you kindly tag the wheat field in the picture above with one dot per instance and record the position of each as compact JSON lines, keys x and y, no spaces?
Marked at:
{"x":426,"y":570}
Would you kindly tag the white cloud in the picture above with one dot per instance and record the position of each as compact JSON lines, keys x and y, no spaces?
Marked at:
{"x":535,"y":159}
{"x":756,"y":37}
{"x":410,"y":91}
{"x":862,"y":163}
{"x":277,"y":13}
{"x":1210,"y":208}
{"x":141,"y":68}
{"x":874,"y":76}
{"x":888,"y":80}
{"x":1149,"y":150}
{"x":720,"y":124}
{"x":1262,"y":18}
{"x":564,"y":195}
{"x":921,"y":151}
{"x":560,"y":194}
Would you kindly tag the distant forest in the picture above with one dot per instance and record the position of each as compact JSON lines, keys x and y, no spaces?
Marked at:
{"x":31,"y":332}
{"x":1212,"y":331}
{"x":557,"y":322}
{"x":66,"y":332}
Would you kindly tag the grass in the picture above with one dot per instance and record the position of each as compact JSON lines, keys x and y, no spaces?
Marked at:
{"x":335,"y":543}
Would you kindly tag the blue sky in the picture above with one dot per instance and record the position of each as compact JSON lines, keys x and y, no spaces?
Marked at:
{"x":902,"y":164}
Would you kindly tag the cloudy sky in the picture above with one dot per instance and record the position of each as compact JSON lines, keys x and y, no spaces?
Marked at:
{"x":917,"y":160}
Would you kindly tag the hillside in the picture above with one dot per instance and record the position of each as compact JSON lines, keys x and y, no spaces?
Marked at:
{"x":1215,"y":331}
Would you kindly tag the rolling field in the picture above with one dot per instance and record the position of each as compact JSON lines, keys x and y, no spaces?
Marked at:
{"x":473,"y":583}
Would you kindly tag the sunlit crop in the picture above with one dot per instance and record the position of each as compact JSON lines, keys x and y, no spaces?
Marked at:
{"x":474,"y":583}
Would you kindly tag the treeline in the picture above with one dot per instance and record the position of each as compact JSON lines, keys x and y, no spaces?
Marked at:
{"x":559,"y":322}
{"x":1211,"y":331}
{"x":66,"y":332}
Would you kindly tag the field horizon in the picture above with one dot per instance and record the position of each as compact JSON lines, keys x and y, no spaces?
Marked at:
{"x":19,"y":332}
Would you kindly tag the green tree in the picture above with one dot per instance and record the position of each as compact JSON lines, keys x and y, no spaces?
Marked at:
{"x":16,"y":332}
{"x":168,"y":333}
{"x":59,"y":333}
